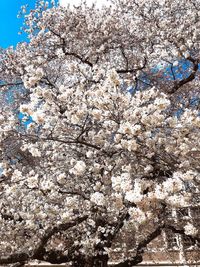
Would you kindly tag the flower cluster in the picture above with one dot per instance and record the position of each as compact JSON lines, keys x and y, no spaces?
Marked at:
{"x":97,"y":155}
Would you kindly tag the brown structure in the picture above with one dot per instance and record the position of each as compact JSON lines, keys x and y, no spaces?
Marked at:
{"x":171,"y":249}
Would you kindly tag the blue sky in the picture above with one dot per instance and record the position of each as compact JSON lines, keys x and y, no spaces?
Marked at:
{"x":9,"y":23}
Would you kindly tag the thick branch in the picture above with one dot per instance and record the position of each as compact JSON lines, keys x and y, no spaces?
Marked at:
{"x":182,"y":232}
{"x":117,"y":227}
{"x":58,"y":257}
{"x":16,"y":257}
{"x":51,"y":231}
{"x":140,"y":249}
{"x":178,"y":84}
{"x":40,"y":249}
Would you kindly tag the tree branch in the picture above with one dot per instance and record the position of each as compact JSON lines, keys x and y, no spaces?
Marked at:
{"x":182,"y":232}
{"x":123,"y":71}
{"x":178,"y":84}
{"x":16,"y":257}
{"x":140,"y":249}
{"x":51,"y":231}
{"x":40,"y":249}
{"x":10,"y":84}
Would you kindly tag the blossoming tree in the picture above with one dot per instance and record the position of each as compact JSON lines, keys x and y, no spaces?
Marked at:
{"x":99,"y":165}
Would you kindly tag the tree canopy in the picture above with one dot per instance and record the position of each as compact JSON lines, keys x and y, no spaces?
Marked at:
{"x":113,"y":141}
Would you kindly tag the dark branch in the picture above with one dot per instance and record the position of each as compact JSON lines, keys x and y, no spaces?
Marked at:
{"x":178,"y":84}
{"x":8,"y":217}
{"x":10,"y":84}
{"x":52,"y":231}
{"x":117,"y":227}
{"x":64,"y":45}
{"x":182,"y":232}
{"x":140,"y":249}
{"x":16,"y":257}
{"x":85,"y":61}
{"x":40,"y":251}
{"x":123,"y":71}
{"x":74,"y":192}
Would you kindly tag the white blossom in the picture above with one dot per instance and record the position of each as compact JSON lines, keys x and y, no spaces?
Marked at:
{"x":98,"y":198}
{"x":113,"y":140}
{"x":190,"y":229}
{"x":79,"y":168}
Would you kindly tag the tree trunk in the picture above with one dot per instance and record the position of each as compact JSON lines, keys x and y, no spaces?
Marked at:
{"x":96,"y":261}
{"x":101,"y":261}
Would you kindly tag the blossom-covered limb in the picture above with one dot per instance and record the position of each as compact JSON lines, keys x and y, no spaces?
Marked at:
{"x":140,"y":249}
